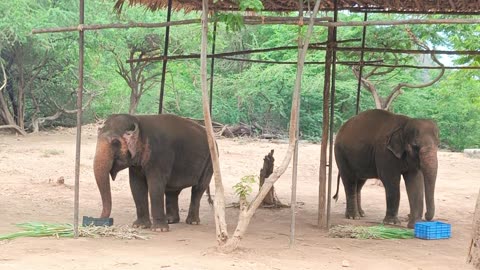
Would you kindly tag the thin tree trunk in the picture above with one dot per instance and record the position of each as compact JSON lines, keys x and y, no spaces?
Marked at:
{"x":5,"y":115}
{"x":219,"y":201}
{"x":133,"y":103}
{"x":474,"y":250}
{"x":246,"y":213}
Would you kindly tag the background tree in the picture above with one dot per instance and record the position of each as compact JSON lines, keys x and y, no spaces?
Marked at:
{"x":40,"y":71}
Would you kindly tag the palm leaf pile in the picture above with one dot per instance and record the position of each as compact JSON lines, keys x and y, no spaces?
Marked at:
{"x":370,"y":232}
{"x":42,"y":229}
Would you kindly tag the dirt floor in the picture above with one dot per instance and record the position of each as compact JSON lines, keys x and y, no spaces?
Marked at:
{"x":30,"y":167}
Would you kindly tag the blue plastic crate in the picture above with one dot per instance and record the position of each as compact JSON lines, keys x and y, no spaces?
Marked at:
{"x":432,"y":230}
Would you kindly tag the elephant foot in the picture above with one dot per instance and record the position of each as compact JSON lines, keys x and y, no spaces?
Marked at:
{"x":159,"y":226}
{"x":361,"y":212}
{"x":142,"y":223}
{"x":352,"y":215}
{"x":429,"y":215}
{"x":391,"y":220}
{"x":192,"y":220}
{"x":173,"y":219}
{"x":411,"y":224}
{"x":412,"y":221}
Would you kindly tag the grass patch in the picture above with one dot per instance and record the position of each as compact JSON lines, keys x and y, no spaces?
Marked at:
{"x":42,"y":229}
{"x":370,"y":232}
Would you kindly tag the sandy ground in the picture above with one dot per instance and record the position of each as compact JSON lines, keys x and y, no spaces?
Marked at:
{"x":31,"y":165}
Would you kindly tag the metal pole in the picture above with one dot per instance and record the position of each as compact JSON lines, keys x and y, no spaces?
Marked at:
{"x":293,"y":199}
{"x":79,"y":119}
{"x":165,"y":59}
{"x":212,"y":64}
{"x":332,"y":116}
{"x":362,"y":52}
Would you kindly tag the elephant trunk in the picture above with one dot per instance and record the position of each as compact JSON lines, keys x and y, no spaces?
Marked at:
{"x":102,"y":164}
{"x":429,"y":165}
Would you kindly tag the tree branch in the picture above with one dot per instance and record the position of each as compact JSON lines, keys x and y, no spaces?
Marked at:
{"x":4,"y":77}
{"x":397,"y":89}
{"x":14,"y":127}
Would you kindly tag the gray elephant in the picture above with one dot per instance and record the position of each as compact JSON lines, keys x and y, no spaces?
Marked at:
{"x":164,"y":154}
{"x":380,"y":144}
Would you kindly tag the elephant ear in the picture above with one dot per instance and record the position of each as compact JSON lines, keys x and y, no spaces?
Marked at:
{"x":131,"y":137}
{"x":396,"y":144}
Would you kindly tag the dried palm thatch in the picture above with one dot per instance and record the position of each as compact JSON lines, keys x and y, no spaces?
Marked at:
{"x":404,"y":6}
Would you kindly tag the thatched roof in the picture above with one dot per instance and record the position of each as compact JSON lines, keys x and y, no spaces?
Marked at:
{"x":403,"y":6}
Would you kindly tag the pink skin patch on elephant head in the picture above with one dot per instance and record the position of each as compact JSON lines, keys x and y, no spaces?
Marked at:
{"x":131,"y":140}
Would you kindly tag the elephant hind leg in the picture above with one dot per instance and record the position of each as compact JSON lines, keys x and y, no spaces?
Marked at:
{"x":171,"y":202}
{"x":360,"y":184}
{"x":197,"y":193}
{"x":351,"y":194}
{"x":194,"y":210}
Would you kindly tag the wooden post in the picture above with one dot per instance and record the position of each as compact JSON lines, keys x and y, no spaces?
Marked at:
{"x":474,"y":250}
{"x":81,"y":52}
{"x":322,"y":187}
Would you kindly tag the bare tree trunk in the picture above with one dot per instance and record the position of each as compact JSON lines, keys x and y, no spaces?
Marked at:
{"x":134,"y":99}
{"x":219,"y":201}
{"x":271,"y":199}
{"x":474,"y":250}
{"x":5,"y":115}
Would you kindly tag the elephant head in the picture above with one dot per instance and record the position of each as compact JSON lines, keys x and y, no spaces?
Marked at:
{"x":417,"y":141}
{"x":118,"y":147}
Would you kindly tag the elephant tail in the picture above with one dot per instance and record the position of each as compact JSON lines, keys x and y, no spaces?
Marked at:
{"x":210,"y":201}
{"x":335,"y":197}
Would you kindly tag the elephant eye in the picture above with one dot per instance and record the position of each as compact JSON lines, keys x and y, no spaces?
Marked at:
{"x":416,"y":148}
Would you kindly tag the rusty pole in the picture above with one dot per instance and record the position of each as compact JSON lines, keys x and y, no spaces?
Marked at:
{"x":212,"y":65}
{"x":165,"y":59}
{"x":332,"y":115}
{"x":362,"y":52}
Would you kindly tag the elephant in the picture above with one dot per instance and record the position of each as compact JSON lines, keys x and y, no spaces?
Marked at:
{"x":164,"y":154}
{"x":380,"y":144}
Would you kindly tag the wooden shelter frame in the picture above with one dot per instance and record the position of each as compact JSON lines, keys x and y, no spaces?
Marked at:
{"x":330,"y":63}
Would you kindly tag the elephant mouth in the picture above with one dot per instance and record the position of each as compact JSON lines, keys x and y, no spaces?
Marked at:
{"x":117,"y":166}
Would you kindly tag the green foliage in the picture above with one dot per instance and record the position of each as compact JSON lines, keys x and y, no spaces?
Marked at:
{"x":255,"y":5}
{"x":454,"y":104}
{"x":244,"y":187}
{"x":233,"y":21}
{"x":243,"y":91}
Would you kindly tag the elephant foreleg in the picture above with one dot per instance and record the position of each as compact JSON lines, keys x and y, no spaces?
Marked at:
{"x":415,"y":190}
{"x":156,"y":188}
{"x":392,"y":190}
{"x":139,"y":188}
{"x":171,"y":200}
{"x":360,"y":184}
